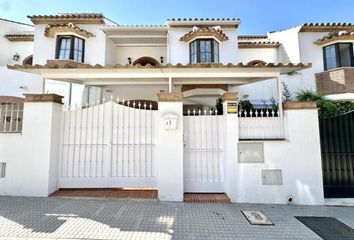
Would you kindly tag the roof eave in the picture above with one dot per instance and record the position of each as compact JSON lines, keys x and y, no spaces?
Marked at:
{"x":231,"y":23}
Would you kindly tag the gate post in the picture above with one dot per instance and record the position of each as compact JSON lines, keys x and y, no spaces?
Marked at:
{"x":231,"y":138}
{"x":41,"y":131}
{"x":170,"y":147}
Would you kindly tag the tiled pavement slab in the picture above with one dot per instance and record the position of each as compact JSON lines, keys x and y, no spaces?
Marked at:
{"x":206,"y":198}
{"x":57,"y":218}
{"x":107,"y":193}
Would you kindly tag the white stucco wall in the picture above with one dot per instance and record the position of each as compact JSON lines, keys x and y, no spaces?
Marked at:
{"x":295,"y":47}
{"x":268,"y":55}
{"x":299,"y":158}
{"x":311,"y":53}
{"x":122,"y":53}
{"x":95,"y":52}
{"x":289,"y":49}
{"x":178,"y":51}
{"x":134,"y":92}
{"x":15,"y":83}
{"x":31,"y":157}
{"x":170,"y":154}
{"x":7,"y":48}
{"x":263,"y":90}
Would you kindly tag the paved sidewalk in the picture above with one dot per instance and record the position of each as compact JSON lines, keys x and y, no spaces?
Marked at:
{"x":55,"y":218}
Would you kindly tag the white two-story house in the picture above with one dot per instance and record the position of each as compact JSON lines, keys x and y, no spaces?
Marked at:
{"x":121,"y":133}
{"x":99,"y":43}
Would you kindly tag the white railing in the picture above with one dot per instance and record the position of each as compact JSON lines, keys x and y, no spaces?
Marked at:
{"x":11,"y":118}
{"x":260,"y":124}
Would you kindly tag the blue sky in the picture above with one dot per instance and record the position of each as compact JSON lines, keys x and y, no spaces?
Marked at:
{"x":257,"y":16}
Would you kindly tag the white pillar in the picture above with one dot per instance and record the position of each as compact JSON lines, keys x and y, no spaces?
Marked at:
{"x":170,"y":149}
{"x":279,"y":93}
{"x":169,"y":84}
{"x":37,"y":175}
{"x":230,"y":144}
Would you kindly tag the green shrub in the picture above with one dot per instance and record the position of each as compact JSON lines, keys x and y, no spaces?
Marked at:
{"x":327,"y":107}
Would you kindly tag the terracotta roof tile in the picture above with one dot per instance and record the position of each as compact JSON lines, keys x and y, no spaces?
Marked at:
{"x":20,"y":37}
{"x":256,"y":41}
{"x":51,"y":30}
{"x":258,"y":44}
{"x":87,"y":18}
{"x":248,"y":37}
{"x":217,"y":33}
{"x":68,"y":64}
{"x":334,"y":36}
{"x":326,"y":27}
{"x":202,"y":19}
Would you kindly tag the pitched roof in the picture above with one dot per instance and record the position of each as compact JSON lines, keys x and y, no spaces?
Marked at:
{"x":334,"y":36}
{"x":51,"y":30}
{"x":259,"y":44}
{"x":326,"y":27}
{"x":248,"y":37}
{"x":256,"y":41}
{"x":212,"y":32}
{"x":20,"y":37}
{"x":84,"y":18}
{"x":68,"y":64}
{"x":202,"y":19}
{"x":187,"y":22}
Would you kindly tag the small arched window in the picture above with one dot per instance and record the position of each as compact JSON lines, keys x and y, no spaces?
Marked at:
{"x":256,"y":62}
{"x":145,"y":60}
{"x":28,"y":60}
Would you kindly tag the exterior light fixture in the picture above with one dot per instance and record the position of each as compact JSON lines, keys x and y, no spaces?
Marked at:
{"x":161,"y":59}
{"x":16,"y":57}
{"x":129,"y":60}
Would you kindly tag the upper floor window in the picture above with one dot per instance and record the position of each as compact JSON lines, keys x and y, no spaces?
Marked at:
{"x":204,"y":51}
{"x":70,"y":47}
{"x":338,"y":55}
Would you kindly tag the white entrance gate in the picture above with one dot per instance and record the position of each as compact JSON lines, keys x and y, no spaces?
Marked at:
{"x":203,"y":152}
{"x":109,"y":145}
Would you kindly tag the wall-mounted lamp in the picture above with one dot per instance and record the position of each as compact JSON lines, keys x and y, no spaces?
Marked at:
{"x":129,"y":60}
{"x":161,"y":59}
{"x":16,"y":57}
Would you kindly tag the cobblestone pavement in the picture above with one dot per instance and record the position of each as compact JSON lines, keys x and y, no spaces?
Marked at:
{"x":56,"y":218}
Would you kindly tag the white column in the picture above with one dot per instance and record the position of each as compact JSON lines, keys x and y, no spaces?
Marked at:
{"x":279,"y":93}
{"x":170,"y":149}
{"x":43,"y":85}
{"x":230,"y":144}
{"x":169,"y":84}
{"x":40,"y":145}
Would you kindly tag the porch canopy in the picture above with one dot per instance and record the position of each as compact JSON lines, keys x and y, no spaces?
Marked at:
{"x":179,"y":74}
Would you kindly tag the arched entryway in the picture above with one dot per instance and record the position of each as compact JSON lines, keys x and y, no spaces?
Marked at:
{"x":145,"y":60}
{"x":28,"y":60}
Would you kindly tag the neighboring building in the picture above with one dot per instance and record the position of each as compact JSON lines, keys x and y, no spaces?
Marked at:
{"x":16,"y":47}
{"x":327,"y":46}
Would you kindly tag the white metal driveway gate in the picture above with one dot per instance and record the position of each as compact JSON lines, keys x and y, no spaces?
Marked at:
{"x":108,"y":145}
{"x":203,"y":152}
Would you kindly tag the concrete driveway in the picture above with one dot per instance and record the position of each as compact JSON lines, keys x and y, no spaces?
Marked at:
{"x":56,"y":218}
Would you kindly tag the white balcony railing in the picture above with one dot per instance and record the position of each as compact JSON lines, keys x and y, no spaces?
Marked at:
{"x":260,"y":124}
{"x":11,"y":118}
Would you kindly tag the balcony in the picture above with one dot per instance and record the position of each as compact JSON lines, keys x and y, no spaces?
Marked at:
{"x":336,"y":81}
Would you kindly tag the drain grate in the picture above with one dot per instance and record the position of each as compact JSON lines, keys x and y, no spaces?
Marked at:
{"x":328,"y":228}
